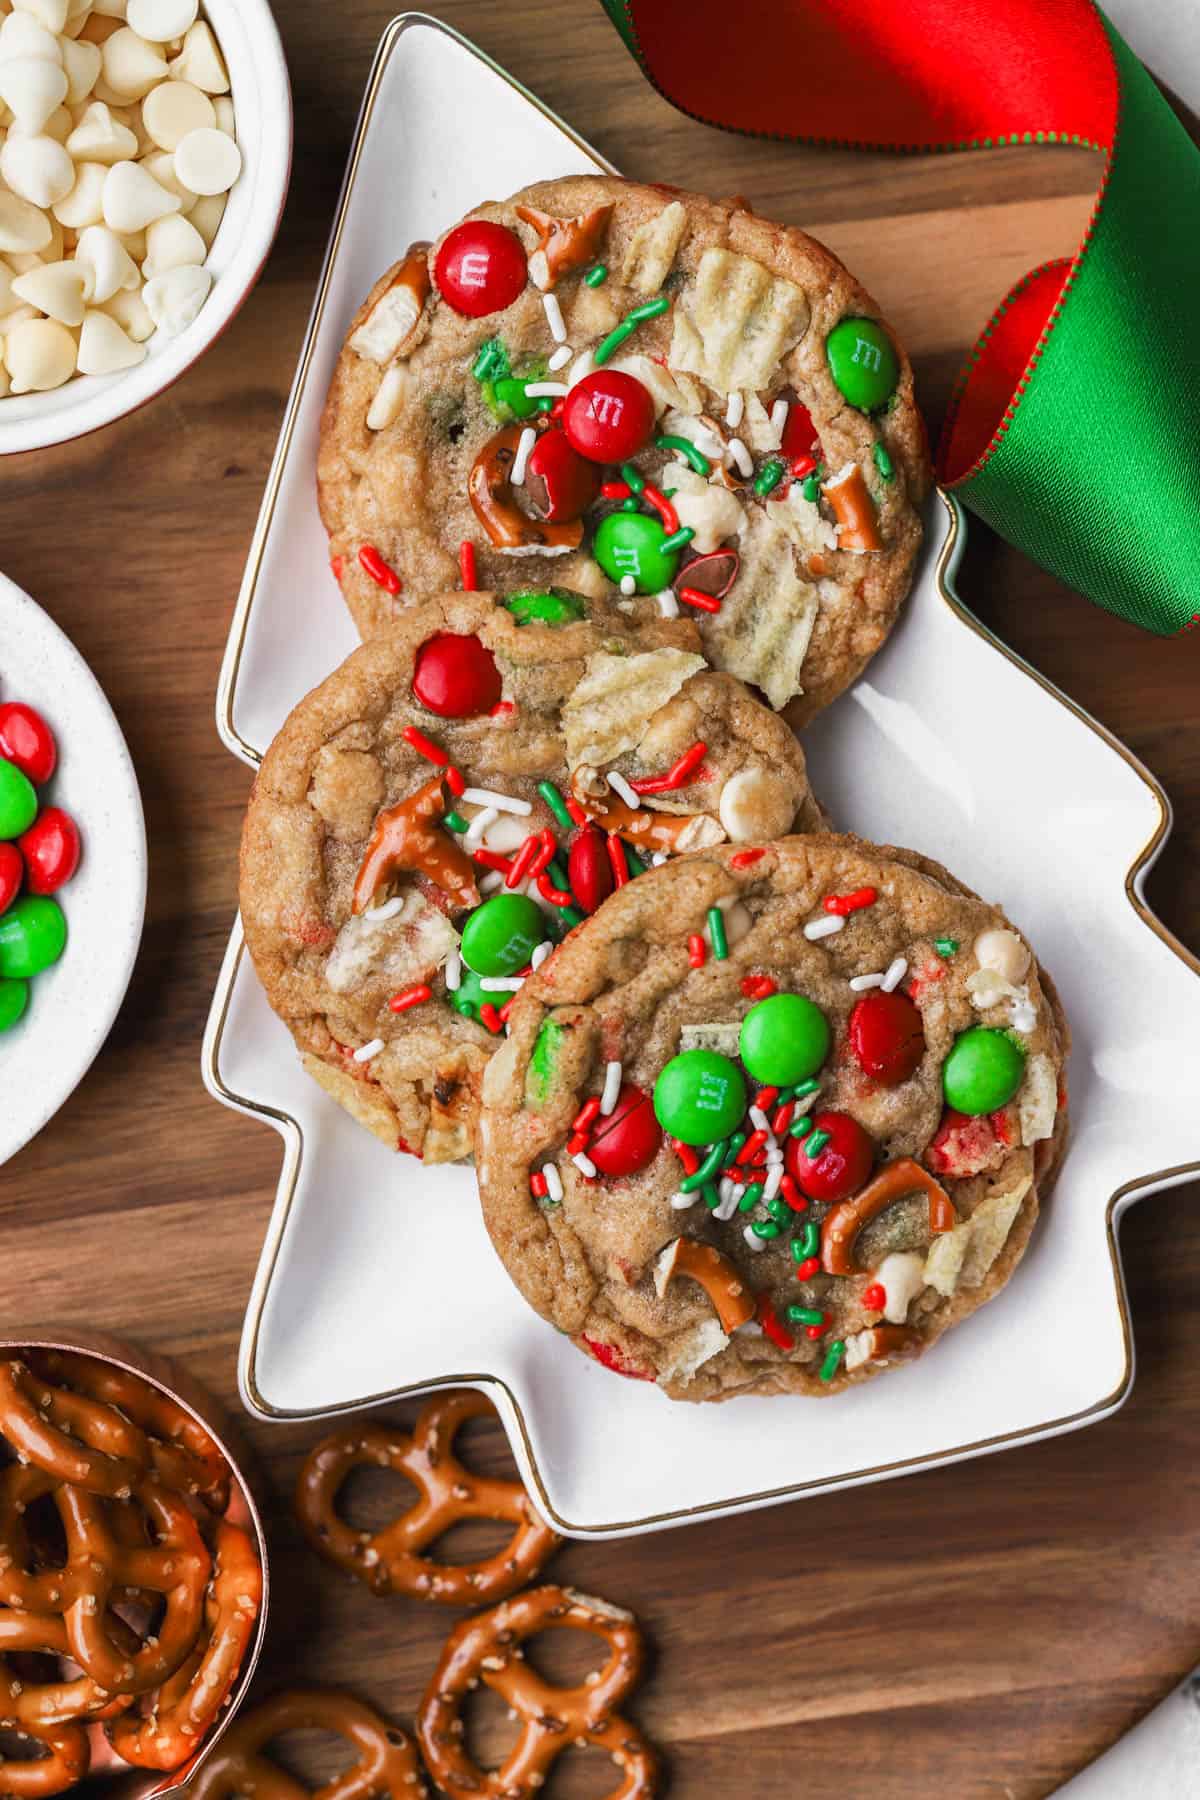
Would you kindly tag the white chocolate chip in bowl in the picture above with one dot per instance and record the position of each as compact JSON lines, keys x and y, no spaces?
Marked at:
{"x":99,"y":137}
{"x":174,"y":299}
{"x":172,"y":243}
{"x":52,"y":14}
{"x":201,"y":62}
{"x":173,"y":109}
{"x":133,"y":199}
{"x":84,"y":205}
{"x":32,"y":87}
{"x":36,"y":168}
{"x":81,"y":66}
{"x":57,"y":289}
{"x":131,"y":65}
{"x":22,"y":35}
{"x":23,"y":226}
{"x":104,"y":348}
{"x":111,"y":268}
{"x":207,"y":161}
{"x":162,"y":20}
{"x":39,"y":354}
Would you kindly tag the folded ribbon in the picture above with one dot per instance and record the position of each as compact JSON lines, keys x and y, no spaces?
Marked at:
{"x":1073,"y":428}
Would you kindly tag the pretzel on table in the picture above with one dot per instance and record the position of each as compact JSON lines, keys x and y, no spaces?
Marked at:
{"x":34,"y":1778}
{"x":487,"y":1648}
{"x":391,"y":1560}
{"x":387,"y":1757}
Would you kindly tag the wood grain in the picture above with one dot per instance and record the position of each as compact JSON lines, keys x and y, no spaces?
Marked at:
{"x":984,"y":1629}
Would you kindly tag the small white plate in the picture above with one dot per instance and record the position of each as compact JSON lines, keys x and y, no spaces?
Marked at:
{"x":377,"y":1276}
{"x":73,"y":1004}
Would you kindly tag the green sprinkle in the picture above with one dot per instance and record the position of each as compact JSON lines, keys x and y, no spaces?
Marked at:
{"x":455,"y":822}
{"x":687,"y":449}
{"x":735,"y":1143}
{"x":764,"y":1228}
{"x":628,"y":325}
{"x":492,"y":361}
{"x":632,"y":478}
{"x":558,"y":875}
{"x":946,"y":946}
{"x":768,"y":477}
{"x":810,"y":488}
{"x":596,"y":275}
{"x":710,"y":1196}
{"x":833,"y":1357}
{"x":716,"y":930}
{"x":629,"y":505}
{"x":804,"y":1087}
{"x":706,"y":1171}
{"x":572,"y":915}
{"x":806,"y":1315}
{"x":797,"y":1249}
{"x":779,"y":1210}
{"x":751,"y":1197}
{"x":809,"y":1240}
{"x":883,"y":462}
{"x":816,"y":1143}
{"x":557,"y":804}
{"x":649,"y":309}
{"x":800,"y":1127}
{"x":636,"y":864}
{"x":678,"y":539}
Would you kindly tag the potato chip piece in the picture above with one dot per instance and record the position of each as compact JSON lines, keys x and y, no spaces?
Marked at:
{"x":692,"y":1349}
{"x":453,"y":1103}
{"x":1037,"y":1104}
{"x":652,"y":249}
{"x":714,"y":513}
{"x":763,"y":629}
{"x":806,"y":523}
{"x":945,"y":1259}
{"x":721,"y":1036}
{"x":406,"y":947}
{"x":965,"y":1254}
{"x":672,"y":392}
{"x":756,"y":429}
{"x":733,"y":327}
{"x":611,"y":707}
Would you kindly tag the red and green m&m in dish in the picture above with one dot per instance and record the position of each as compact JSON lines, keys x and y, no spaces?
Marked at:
{"x":39,"y":852}
{"x":784,"y":1039}
{"x":699,"y":1096}
{"x":983,"y":1071}
{"x":455,"y":676}
{"x":480,"y":268}
{"x":502,"y":934}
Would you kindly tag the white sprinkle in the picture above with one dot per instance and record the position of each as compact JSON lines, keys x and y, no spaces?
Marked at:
{"x":753,"y":1241}
{"x":554,"y":389}
{"x":554,"y":318}
{"x":658,"y":859}
{"x":860,"y":983}
{"x":540,"y":954}
{"x":488,"y":797}
{"x":584,"y":1164}
{"x":734,"y":410}
{"x":453,"y":972}
{"x":668,"y":605}
{"x":525,"y":445}
{"x":681,"y":1202}
{"x":386,"y":910}
{"x":367,"y":1051}
{"x":738,"y":455}
{"x":826,"y":927}
{"x":477,"y":829}
{"x":779,"y":415}
{"x":612,"y":1087}
{"x":628,"y":585}
{"x":501,"y":984}
{"x":561,"y":357}
{"x":897,"y":969}
{"x":774,"y":1154}
{"x":622,"y":789}
{"x":774,"y":1179}
{"x":759,"y":1119}
{"x":554,"y":1186}
{"x":491,"y":881}
{"x":730,"y":1195}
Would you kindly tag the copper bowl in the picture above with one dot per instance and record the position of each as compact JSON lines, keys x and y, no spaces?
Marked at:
{"x":108,"y":1774}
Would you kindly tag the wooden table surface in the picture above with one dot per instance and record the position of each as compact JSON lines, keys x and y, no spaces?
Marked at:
{"x":986,"y":1628}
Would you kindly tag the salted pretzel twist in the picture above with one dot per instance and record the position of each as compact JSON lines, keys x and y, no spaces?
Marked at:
{"x":487,"y":1648}
{"x":34,"y":1778}
{"x":391,"y":1560}
{"x":69,"y":1436}
{"x":387,"y":1757}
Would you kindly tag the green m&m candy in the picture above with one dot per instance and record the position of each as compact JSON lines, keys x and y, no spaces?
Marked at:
{"x":33,"y":934}
{"x":863,"y":363}
{"x":983,"y":1071}
{"x":18,"y":801}
{"x":14,"y":996}
{"x":784,"y":1039}
{"x":501,"y":935}
{"x":559,"y":607}
{"x":633,"y":544}
{"x":468,"y":996}
{"x":699,"y":1096}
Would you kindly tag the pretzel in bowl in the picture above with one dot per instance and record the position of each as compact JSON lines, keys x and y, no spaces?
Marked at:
{"x":69,"y":1436}
{"x":65,"y":1762}
{"x":392,"y":1560}
{"x":387,"y":1757}
{"x":487,"y":1648}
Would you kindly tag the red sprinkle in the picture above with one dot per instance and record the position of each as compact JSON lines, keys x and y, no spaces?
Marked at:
{"x":807,"y":1269}
{"x":455,"y":781}
{"x":577,"y":1143}
{"x":676,"y":776}
{"x":491,"y":1018}
{"x":614,"y":490}
{"x":702,"y":602}
{"x":501,"y":707}
{"x":616,"y":856}
{"x":766,"y":1096}
{"x":410,"y":996}
{"x":791,"y":1193}
{"x":492,"y":859}
{"x":545,"y":854}
{"x":378,"y":570}
{"x":576,"y":811}
{"x":337,"y":564}
{"x":745,"y":858}
{"x":466,"y":563}
{"x":844,"y":904}
{"x":522,"y":862}
{"x":768,"y":1318}
{"x":537,"y":1185}
{"x":424,"y":746}
{"x":697,"y":951}
{"x":686,"y":1155}
{"x":802,"y":466}
{"x":662,"y":506}
{"x":555,"y":896}
{"x":783,"y":1118}
{"x":875,"y":1297}
{"x":751,"y":1147}
{"x":816,"y":1331}
{"x":757,"y":987}
{"x":587,"y":1112}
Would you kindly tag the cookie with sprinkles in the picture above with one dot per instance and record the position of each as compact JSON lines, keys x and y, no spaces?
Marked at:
{"x":610,"y":385}
{"x":774,"y":1119}
{"x":463,"y":790}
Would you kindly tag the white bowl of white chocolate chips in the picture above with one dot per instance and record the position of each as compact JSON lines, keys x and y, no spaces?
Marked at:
{"x":145,"y":147}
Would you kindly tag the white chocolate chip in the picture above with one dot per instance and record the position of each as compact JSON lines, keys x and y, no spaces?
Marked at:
{"x":173,"y":109}
{"x":129,"y":310}
{"x":22,"y":226}
{"x":32,"y":87}
{"x":162,"y":20}
{"x":104,"y":349}
{"x":21,"y":35}
{"x":756,"y":806}
{"x":110,"y":267}
{"x":84,"y":205}
{"x":206,"y":216}
{"x":1002,"y":951}
{"x":81,"y":66}
{"x":171,"y":243}
{"x":50,"y":14}
{"x":133,"y":199}
{"x":57,"y":289}
{"x":207,"y":161}
{"x":36,"y":168}
{"x":200,"y":61}
{"x":39,"y":354}
{"x":109,"y":9}
{"x":58,"y":125}
{"x":100,"y":138}
{"x":174,"y":299}
{"x":385,"y":407}
{"x":131,"y":65}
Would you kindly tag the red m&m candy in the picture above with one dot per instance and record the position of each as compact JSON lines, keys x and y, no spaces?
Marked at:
{"x":629,"y":1137}
{"x":589,"y":869}
{"x":456,"y":677}
{"x":12,"y":870}
{"x":27,"y":741}
{"x":558,"y":480}
{"x":609,"y":416}
{"x":840,"y":1167}
{"x":480,"y":268}
{"x":887,"y":1037}
{"x":51,"y":850}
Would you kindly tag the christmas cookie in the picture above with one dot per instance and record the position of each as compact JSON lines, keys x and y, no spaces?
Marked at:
{"x":610,"y":385}
{"x":460,"y":792}
{"x":774,"y":1119}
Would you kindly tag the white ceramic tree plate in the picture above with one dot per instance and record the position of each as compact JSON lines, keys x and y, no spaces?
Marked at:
{"x":72,"y":1005}
{"x":377,"y":1278}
